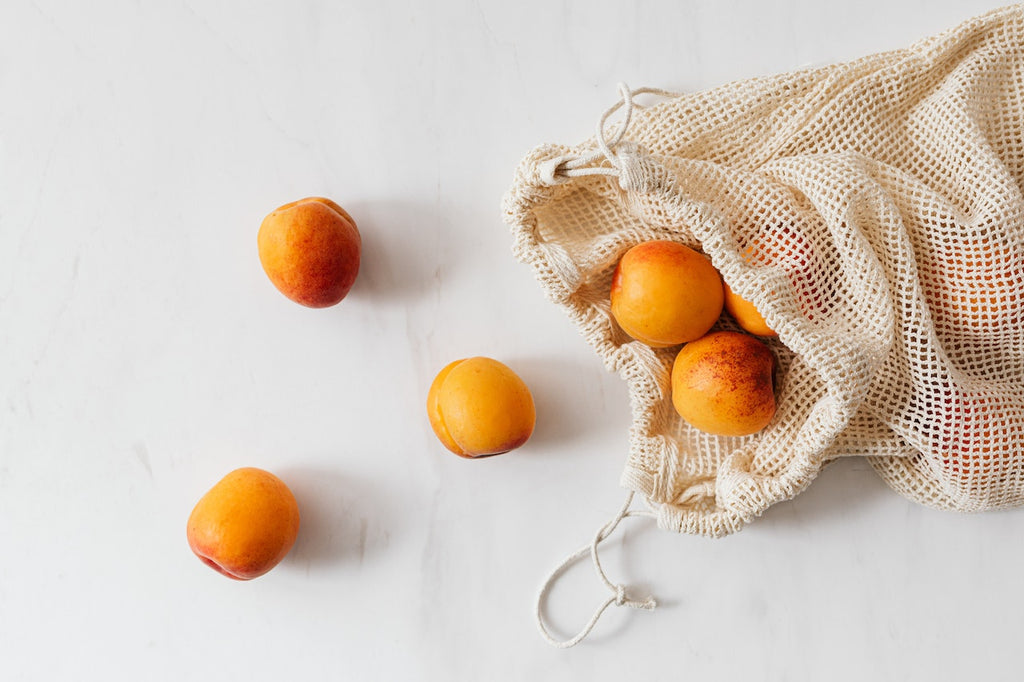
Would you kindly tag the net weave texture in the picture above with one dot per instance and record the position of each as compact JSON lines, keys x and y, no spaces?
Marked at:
{"x":873,"y":212}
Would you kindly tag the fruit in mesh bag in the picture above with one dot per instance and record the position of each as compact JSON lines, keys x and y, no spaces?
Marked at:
{"x":245,"y":524}
{"x":743,"y":311}
{"x":746,"y":315}
{"x":310,"y":250}
{"x":975,"y":288}
{"x":783,"y":246}
{"x":723,"y":384}
{"x":664,"y":293}
{"x":479,"y":407}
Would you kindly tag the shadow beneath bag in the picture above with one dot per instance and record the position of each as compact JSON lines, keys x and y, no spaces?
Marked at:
{"x":842,"y":488}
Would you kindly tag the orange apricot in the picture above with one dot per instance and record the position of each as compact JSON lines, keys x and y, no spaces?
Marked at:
{"x":664,"y":293}
{"x":746,"y":315}
{"x":977,"y":288}
{"x":479,"y":407}
{"x":245,"y":524}
{"x":722,"y":384}
{"x":781,"y":246}
{"x":310,"y":250}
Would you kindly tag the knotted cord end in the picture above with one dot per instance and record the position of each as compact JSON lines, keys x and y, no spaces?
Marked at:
{"x":619,"y":596}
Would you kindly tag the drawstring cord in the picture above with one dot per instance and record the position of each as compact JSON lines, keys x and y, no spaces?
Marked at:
{"x":578,"y":166}
{"x":618,"y":597}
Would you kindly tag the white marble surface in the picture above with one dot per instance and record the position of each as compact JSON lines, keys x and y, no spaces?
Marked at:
{"x":143,"y":354}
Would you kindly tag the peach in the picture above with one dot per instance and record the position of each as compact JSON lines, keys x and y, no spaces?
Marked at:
{"x":479,"y":407}
{"x":664,"y":293}
{"x":245,"y":524}
{"x":722,"y":384}
{"x":310,"y":250}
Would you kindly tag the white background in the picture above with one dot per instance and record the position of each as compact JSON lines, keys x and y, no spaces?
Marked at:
{"x":144,"y":354}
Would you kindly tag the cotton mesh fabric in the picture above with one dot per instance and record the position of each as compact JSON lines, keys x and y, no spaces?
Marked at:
{"x":872,"y":211}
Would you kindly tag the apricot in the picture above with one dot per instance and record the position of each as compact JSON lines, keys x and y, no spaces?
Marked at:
{"x":746,"y":315}
{"x":310,"y":250}
{"x":722,"y":384}
{"x":977,"y":289}
{"x":665,"y":293}
{"x":785,"y":246}
{"x":479,"y":407}
{"x":245,"y":524}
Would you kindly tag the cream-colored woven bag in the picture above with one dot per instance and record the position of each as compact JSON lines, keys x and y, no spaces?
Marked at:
{"x":883,"y":199}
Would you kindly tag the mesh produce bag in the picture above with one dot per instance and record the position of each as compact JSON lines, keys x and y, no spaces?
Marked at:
{"x":872,"y":211}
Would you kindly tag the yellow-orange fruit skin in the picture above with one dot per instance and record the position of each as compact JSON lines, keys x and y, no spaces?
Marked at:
{"x":746,"y":315}
{"x":967,"y":289}
{"x":245,"y":524}
{"x":664,"y":293}
{"x":310,"y":250}
{"x":722,"y":384}
{"x":479,"y":407}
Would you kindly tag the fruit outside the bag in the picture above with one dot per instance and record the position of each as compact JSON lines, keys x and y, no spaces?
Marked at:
{"x":664,"y":293}
{"x":479,"y":407}
{"x":310,"y":250}
{"x":723,"y":384}
{"x":245,"y":524}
